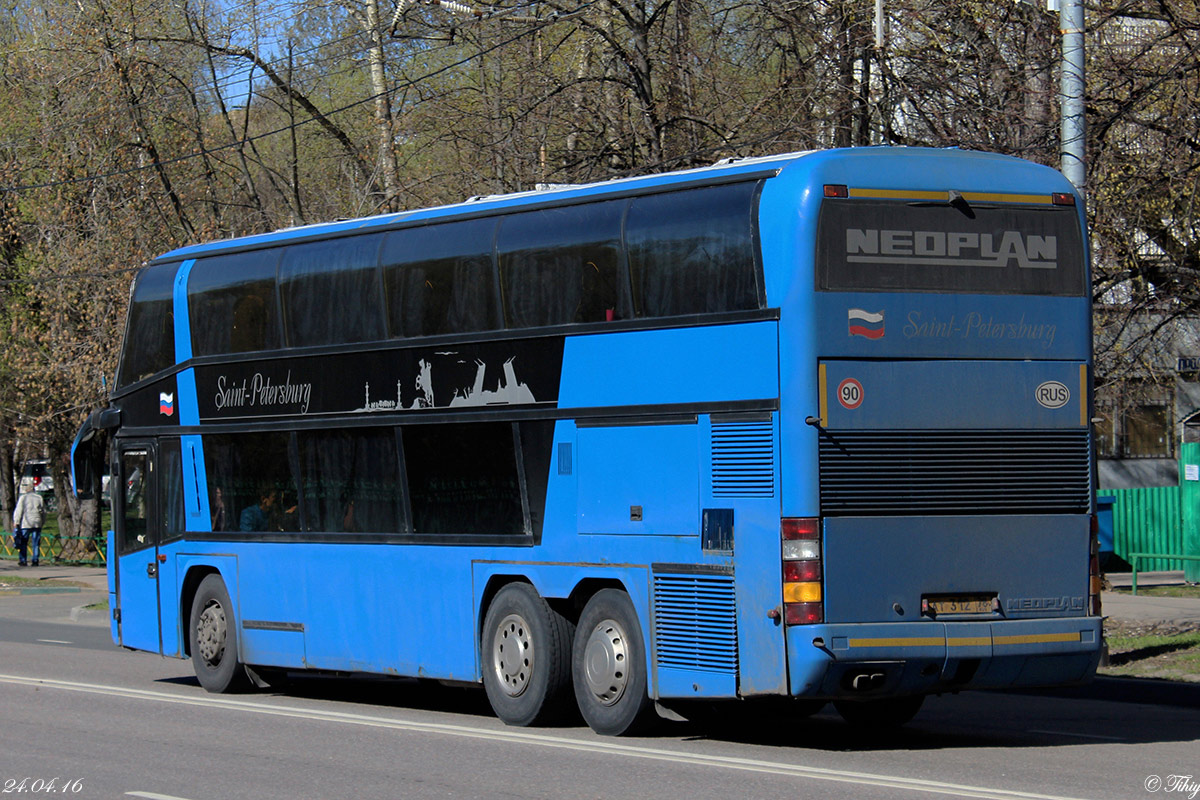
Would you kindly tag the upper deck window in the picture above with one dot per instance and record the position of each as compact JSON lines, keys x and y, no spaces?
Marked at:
{"x":150,"y":333}
{"x":330,"y":292}
{"x":563,"y":265}
{"x":694,"y":251}
{"x":231,"y":303}
{"x":439,"y":279}
{"x":867,"y":245}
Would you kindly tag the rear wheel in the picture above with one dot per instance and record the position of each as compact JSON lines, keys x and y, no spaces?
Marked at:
{"x":609,"y":666}
{"x":526,"y":657}
{"x":887,"y":712}
{"x":213,"y":639}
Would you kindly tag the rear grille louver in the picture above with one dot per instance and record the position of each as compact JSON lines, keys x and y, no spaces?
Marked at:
{"x":743,"y":459}
{"x":885,"y":473}
{"x":695,"y":623}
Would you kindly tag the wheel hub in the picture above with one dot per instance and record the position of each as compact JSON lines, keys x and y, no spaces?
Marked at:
{"x":211,"y":632}
{"x":606,"y":658}
{"x":513,"y":654}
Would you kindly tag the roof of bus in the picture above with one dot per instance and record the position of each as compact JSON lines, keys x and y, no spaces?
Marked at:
{"x":885,"y":171}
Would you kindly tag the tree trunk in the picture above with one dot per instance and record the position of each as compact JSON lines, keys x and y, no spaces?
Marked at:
{"x":7,"y":470}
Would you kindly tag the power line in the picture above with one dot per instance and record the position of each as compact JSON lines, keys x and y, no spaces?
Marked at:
{"x":397,"y":85}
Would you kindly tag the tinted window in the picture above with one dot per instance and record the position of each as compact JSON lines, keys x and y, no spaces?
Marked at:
{"x":351,"y":481}
{"x":439,"y":279}
{"x":252,"y":485}
{"x":231,"y":303}
{"x":330,"y":292}
{"x":563,"y":265}
{"x":892,"y":247}
{"x":136,"y":533}
{"x":694,"y":252}
{"x":537,"y":441}
{"x":171,"y":477}
{"x":150,"y":332}
{"x":462,"y":479}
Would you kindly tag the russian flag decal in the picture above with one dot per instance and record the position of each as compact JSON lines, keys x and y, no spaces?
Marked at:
{"x":166,"y":404}
{"x":864,"y":323}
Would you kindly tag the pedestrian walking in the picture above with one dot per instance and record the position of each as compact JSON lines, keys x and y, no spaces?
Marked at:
{"x":27,"y":523}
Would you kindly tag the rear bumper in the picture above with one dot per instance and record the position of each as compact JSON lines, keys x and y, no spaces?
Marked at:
{"x":881,"y":659}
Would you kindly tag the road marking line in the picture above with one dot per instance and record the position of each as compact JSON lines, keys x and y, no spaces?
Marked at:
{"x":53,"y":641}
{"x":154,"y":796}
{"x":546,"y":740}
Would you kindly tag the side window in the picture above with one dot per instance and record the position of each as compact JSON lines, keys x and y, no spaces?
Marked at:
{"x":135,"y":501}
{"x":537,"y":441}
{"x":150,"y":331}
{"x":171,"y":479}
{"x":563,"y":265}
{"x":463,"y":479}
{"x":252,"y":484}
{"x":351,"y":481}
{"x":439,"y":279}
{"x":694,"y":251}
{"x":231,"y":303}
{"x":330,"y":292}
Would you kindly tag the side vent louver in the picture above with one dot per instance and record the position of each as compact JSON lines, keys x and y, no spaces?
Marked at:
{"x":743,"y":459}
{"x":695,"y":623}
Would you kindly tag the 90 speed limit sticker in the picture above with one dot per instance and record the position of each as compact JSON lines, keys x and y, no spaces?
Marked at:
{"x":850,"y":394}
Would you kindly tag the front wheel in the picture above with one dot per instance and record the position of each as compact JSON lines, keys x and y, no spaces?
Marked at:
{"x":213,"y":639}
{"x":526,"y":649}
{"x":609,"y":666}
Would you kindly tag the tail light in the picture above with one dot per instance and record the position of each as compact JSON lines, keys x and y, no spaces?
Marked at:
{"x":802,"y":598}
{"x":1095,"y":582}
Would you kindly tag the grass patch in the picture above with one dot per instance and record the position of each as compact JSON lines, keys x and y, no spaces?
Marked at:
{"x":20,"y":580}
{"x":1152,"y":651}
{"x":1176,"y":590}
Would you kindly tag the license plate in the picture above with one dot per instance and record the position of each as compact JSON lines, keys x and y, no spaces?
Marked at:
{"x":960,"y":604}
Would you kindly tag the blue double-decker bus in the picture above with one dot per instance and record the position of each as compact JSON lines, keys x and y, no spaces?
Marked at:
{"x":814,"y":426}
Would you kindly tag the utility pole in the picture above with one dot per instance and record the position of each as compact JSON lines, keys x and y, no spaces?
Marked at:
{"x":1074,"y":167}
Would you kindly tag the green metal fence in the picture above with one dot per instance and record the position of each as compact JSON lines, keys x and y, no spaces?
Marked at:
{"x":53,"y":545}
{"x":1147,"y":521}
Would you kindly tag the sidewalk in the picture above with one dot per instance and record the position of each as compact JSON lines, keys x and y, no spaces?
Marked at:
{"x":91,"y":578}
{"x":1173,"y":612}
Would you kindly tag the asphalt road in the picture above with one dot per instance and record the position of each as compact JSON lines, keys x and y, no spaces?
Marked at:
{"x":99,"y":722}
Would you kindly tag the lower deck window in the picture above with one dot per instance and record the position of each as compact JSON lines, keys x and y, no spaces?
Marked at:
{"x":463,"y":479}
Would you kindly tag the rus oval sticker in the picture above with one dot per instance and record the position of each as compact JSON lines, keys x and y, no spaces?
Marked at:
{"x":1052,"y":394}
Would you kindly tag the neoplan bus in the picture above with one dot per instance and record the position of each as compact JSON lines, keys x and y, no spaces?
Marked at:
{"x":813,"y":426}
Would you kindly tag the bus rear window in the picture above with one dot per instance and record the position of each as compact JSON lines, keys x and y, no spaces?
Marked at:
{"x":928,"y":247}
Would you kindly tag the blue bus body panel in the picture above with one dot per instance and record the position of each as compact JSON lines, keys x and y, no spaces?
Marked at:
{"x":924,"y":657}
{"x":138,"y":598}
{"x":626,"y":488}
{"x":722,"y":363}
{"x":942,"y":395}
{"x":1019,"y":559}
{"x":955,"y":326}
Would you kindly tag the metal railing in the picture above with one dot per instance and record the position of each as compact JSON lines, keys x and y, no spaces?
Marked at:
{"x":53,"y":545}
{"x":1135,"y":557}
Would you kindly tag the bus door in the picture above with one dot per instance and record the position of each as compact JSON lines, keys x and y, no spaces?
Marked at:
{"x":137,"y":529}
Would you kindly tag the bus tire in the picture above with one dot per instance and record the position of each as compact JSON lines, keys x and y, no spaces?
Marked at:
{"x":213,"y":639}
{"x":886,"y":712}
{"x":526,"y":648}
{"x":609,"y":666}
